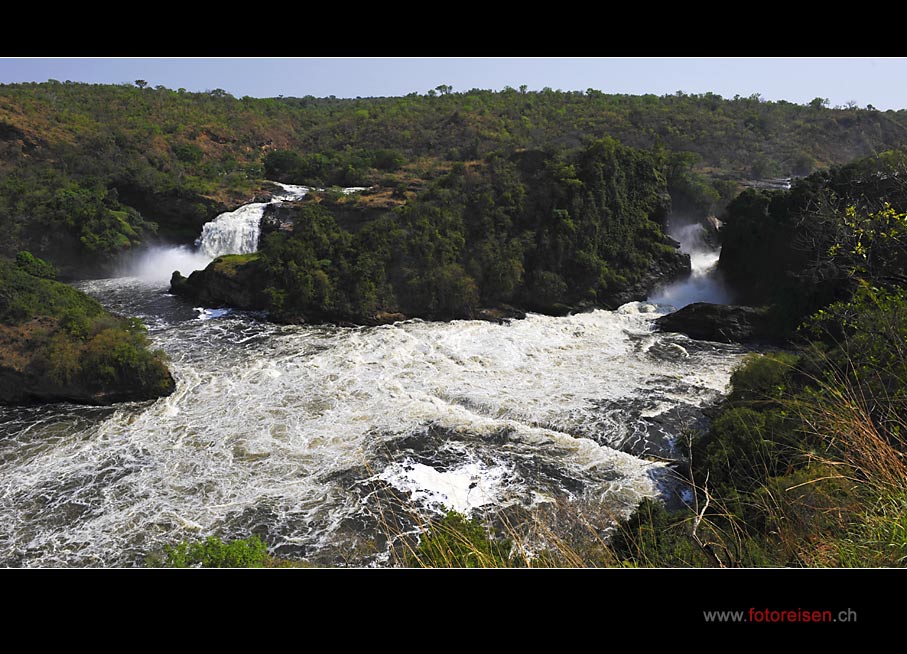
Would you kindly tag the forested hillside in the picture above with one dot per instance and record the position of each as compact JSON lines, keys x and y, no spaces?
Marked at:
{"x":90,"y":171}
{"x":803,"y":464}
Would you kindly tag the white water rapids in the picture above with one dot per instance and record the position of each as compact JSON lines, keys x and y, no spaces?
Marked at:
{"x":328,"y":442}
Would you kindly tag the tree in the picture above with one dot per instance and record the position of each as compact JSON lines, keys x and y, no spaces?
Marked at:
{"x":818,"y":103}
{"x":141,"y":83}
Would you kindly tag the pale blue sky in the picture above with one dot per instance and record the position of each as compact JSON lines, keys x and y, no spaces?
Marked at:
{"x":876,"y":81}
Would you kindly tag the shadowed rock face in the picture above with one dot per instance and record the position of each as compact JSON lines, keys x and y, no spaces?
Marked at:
{"x":231,"y":280}
{"x":725,"y":323}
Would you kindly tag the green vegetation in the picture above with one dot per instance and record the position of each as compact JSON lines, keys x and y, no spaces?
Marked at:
{"x":803,"y":249}
{"x":90,"y":171}
{"x":58,"y":343}
{"x":457,"y":541}
{"x":214,"y":553}
{"x":804,"y":463}
{"x":540,"y":230}
{"x":24,"y":296}
{"x":546,"y":200}
{"x":35,"y":266}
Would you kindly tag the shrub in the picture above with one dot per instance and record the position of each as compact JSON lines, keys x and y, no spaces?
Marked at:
{"x":35,"y":266}
{"x":457,"y":541}
{"x":214,"y":553}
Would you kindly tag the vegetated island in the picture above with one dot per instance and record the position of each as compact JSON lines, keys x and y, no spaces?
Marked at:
{"x":58,"y":344}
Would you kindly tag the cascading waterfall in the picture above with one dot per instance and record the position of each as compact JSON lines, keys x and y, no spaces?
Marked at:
{"x":704,"y":283}
{"x":232,"y":232}
{"x":237,"y":232}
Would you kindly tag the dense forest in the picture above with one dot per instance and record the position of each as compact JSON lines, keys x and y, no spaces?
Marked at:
{"x":91,"y":171}
{"x":542,"y":231}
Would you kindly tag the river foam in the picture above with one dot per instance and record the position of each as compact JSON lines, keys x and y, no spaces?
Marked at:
{"x":312,"y":436}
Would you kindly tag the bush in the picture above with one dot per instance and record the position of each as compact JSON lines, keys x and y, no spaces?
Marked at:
{"x":754,"y":437}
{"x":457,"y":541}
{"x":214,"y":553}
{"x":35,"y":266}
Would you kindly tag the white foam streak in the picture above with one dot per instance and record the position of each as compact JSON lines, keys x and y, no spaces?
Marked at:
{"x":286,"y":428}
{"x":466,"y":488}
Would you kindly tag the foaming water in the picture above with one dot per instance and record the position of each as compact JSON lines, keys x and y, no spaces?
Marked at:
{"x":705,"y":283}
{"x":233,"y":232}
{"x":313,"y":436}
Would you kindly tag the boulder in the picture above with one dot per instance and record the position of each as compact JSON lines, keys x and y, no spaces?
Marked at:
{"x":233,"y":280}
{"x":725,"y":323}
{"x":278,"y":216}
{"x":501,"y":315}
{"x":386,"y":318}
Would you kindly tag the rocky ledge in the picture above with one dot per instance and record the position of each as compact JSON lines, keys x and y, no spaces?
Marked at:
{"x":231,"y":280}
{"x":725,"y":323}
{"x":668,"y":266}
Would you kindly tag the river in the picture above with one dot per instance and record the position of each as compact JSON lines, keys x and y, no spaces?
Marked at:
{"x":332,"y":442}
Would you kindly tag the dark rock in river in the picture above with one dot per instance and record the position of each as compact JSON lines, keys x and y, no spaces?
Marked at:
{"x":725,"y":323}
{"x":231,"y":280}
{"x":501,"y":314}
{"x":386,"y":318}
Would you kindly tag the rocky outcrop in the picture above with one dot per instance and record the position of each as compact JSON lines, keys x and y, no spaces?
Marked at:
{"x":180,"y":214}
{"x":277,"y":217}
{"x":719,"y":322}
{"x":232,"y":280}
{"x":386,"y":318}
{"x":28,"y":377}
{"x":503,"y":314}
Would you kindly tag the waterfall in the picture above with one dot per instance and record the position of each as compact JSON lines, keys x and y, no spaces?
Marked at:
{"x":237,"y":232}
{"x":232,"y":232}
{"x":705,"y":283}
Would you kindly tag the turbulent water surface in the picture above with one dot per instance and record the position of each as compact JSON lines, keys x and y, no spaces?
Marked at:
{"x":329,"y":442}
